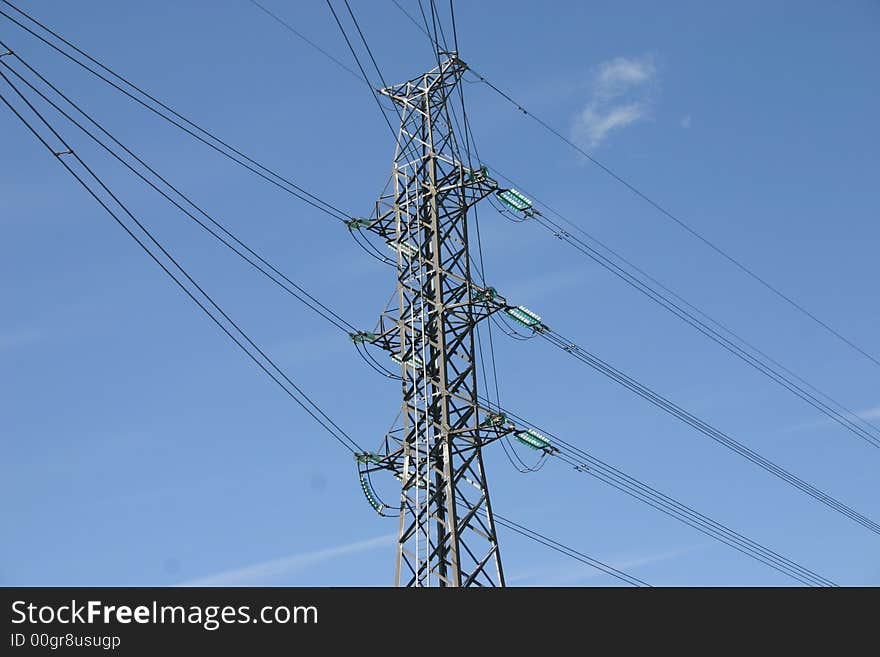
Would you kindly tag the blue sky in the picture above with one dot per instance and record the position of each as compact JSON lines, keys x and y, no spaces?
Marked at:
{"x":140,"y":447}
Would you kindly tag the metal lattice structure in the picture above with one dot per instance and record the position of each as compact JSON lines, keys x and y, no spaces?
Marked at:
{"x":447,"y":533}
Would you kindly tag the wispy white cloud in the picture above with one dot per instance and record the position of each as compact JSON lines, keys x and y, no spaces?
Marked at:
{"x":266,"y":571}
{"x":594,"y":123}
{"x":572,"y":575}
{"x":621,"y":95}
{"x":870,"y":413}
{"x":615,"y":77}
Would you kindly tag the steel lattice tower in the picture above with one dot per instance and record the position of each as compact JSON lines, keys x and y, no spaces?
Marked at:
{"x":447,"y":532}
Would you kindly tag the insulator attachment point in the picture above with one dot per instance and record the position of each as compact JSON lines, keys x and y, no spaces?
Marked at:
{"x":495,"y":420}
{"x":486,"y":294}
{"x":357,"y":223}
{"x":360,"y":337}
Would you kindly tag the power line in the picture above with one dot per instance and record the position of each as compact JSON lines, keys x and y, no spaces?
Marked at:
{"x":432,"y":3}
{"x":528,"y":532}
{"x":507,"y":446}
{"x":168,"y":255}
{"x":703,"y":427}
{"x":516,"y":527}
{"x":586,"y":463}
{"x":181,"y":122}
{"x":454,"y":27}
{"x":414,"y":21}
{"x":778,"y":377}
{"x":314,"y":45}
{"x":758,"y":553}
{"x":328,"y":424}
{"x":368,"y":247}
{"x":361,"y":69}
{"x":300,"y":397}
{"x":574,"y":554}
{"x":90,"y":135}
{"x":701,"y":321}
{"x":437,"y":24}
{"x":657,"y":206}
{"x":249,"y":255}
{"x":847,"y":418}
{"x":869,"y":433}
{"x":366,"y":45}
{"x":845,"y":421}
{"x":701,"y":523}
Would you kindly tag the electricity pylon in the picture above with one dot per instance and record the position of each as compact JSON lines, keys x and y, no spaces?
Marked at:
{"x":447,"y":532}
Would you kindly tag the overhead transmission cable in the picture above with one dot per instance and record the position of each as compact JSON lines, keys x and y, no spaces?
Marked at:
{"x":262,"y":265}
{"x":703,"y":427}
{"x":454,"y":27}
{"x":366,"y":45}
{"x":739,"y":264}
{"x":436,"y":24}
{"x":779,"y":472}
{"x":284,"y":182}
{"x":236,"y":245}
{"x":364,"y":244}
{"x":423,"y":29}
{"x":45,"y":144}
{"x":708,"y":429}
{"x":435,"y":44}
{"x":738,"y":346}
{"x":507,"y":445}
{"x":509,"y":449}
{"x":712,"y":328}
{"x":198,"y":295}
{"x":161,"y":264}
{"x":350,"y":445}
{"x":357,"y":60}
{"x":847,"y":419}
{"x":302,"y":36}
{"x":842,"y":415}
{"x":279,"y":377}
{"x":584,"y":462}
{"x":759,"y":553}
{"x":562,"y":549}
{"x":172,"y":116}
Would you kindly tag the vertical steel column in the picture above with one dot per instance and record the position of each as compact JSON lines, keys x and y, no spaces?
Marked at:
{"x":447,"y":532}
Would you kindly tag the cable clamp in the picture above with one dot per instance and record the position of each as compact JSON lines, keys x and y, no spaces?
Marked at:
{"x":7,"y":53}
{"x":60,"y":153}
